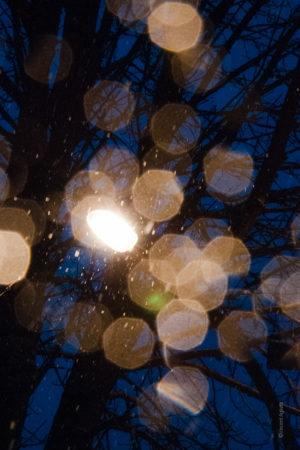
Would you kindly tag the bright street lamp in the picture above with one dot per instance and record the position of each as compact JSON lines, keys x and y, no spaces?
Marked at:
{"x":112,"y":229}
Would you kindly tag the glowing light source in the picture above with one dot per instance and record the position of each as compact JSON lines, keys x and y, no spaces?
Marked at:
{"x":112,"y":229}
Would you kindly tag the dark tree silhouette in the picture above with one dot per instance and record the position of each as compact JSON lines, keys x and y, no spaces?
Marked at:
{"x":78,"y":78}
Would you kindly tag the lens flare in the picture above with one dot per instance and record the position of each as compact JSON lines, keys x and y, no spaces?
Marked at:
{"x":112,"y":229}
{"x":145,"y":289}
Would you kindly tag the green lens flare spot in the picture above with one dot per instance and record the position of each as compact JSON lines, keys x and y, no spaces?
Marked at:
{"x":156,"y":301}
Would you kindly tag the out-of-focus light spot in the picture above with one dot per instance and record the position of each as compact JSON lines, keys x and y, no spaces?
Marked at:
{"x":109,"y":105}
{"x":86,"y":183}
{"x":16,"y":219}
{"x":175,"y":26}
{"x":240,"y":333}
{"x":203,"y":280}
{"x":228,"y":174}
{"x":145,"y":289}
{"x":181,"y":165}
{"x":157,"y":195}
{"x":34,"y":211}
{"x":290,"y":296}
{"x":203,"y":230}
{"x":196,"y":69}
{"x":169,"y":255}
{"x":49,"y":59}
{"x":230,"y":253}
{"x":129,"y":10}
{"x":112,"y":229}
{"x":182,"y":324}
{"x":15,"y":257}
{"x":28,"y":305}
{"x":101,"y":183}
{"x":128,"y":343}
{"x":175,"y":128}
{"x":85,"y":326}
{"x":119,"y":164}
{"x":275,"y":273}
{"x":185,"y":386}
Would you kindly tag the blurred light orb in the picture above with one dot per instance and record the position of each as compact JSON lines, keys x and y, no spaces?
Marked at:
{"x":15,"y":257}
{"x":196,"y":69}
{"x":85,"y":326}
{"x":275,"y":274}
{"x":119,"y":164}
{"x":109,"y":105}
{"x":182,"y":324}
{"x":203,"y":230}
{"x":230,"y":253}
{"x":112,"y":229}
{"x":86,"y":183}
{"x":17,"y":219}
{"x":175,"y":128}
{"x":129,"y":11}
{"x":290,"y":296}
{"x":203,"y":280}
{"x":185,"y":386}
{"x":157,"y":195}
{"x":174,"y":26}
{"x":128,"y":342}
{"x":228,"y":174}
{"x":28,"y":305}
{"x":32,"y":210}
{"x":49,"y":60}
{"x":169,"y":255}
{"x":240,"y":333}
